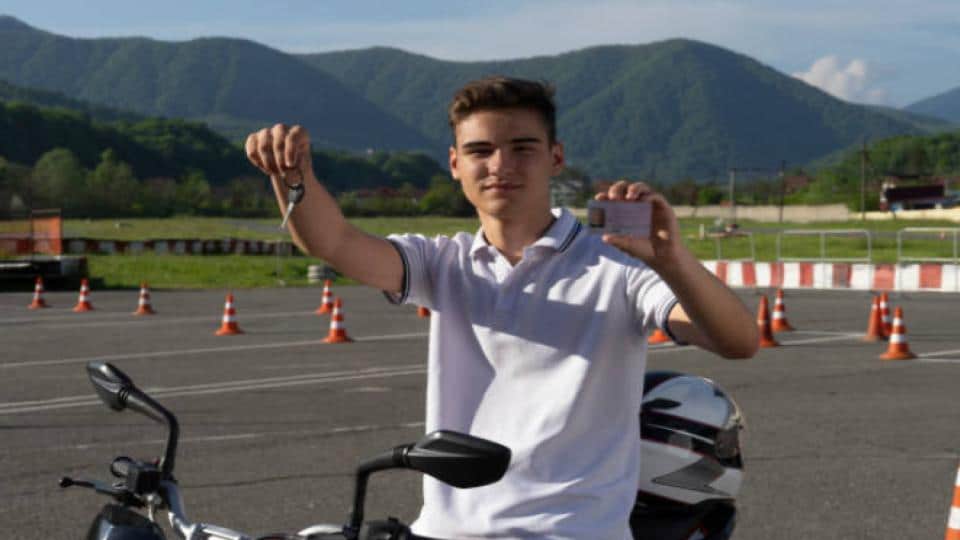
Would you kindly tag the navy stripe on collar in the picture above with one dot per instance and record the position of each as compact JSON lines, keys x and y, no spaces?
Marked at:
{"x":573,"y":234}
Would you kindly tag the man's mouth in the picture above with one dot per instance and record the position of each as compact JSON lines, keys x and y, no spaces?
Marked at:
{"x":500,"y":186}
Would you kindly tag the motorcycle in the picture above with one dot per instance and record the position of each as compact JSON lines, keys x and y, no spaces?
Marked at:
{"x":457,"y":459}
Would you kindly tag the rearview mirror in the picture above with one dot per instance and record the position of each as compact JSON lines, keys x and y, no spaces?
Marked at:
{"x":110,"y":382}
{"x":458,"y":459}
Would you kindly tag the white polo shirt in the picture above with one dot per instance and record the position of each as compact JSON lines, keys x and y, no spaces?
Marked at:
{"x":547,"y":358}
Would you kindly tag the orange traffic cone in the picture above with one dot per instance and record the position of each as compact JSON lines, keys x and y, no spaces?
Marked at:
{"x":338,"y":333}
{"x":326,"y":305}
{"x":779,"y":323}
{"x":38,"y":301}
{"x":885,"y":314}
{"x":953,"y":519}
{"x":875,"y":324}
{"x":898,"y":349}
{"x":658,"y":336}
{"x":763,"y":322}
{"x":229,"y":325}
{"x":83,"y":303}
{"x":143,"y":306}
{"x":423,"y":312}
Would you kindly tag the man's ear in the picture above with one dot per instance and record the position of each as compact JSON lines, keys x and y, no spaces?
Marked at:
{"x":453,"y":163}
{"x":556,"y":154}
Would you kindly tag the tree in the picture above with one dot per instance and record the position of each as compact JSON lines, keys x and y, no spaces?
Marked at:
{"x":246,"y":196}
{"x":112,"y":189}
{"x":158,"y":196}
{"x":58,"y":181}
{"x":193,"y":194}
{"x":445,"y":198}
{"x":14,"y":189}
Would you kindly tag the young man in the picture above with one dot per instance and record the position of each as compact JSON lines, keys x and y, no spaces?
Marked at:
{"x":537,"y":338}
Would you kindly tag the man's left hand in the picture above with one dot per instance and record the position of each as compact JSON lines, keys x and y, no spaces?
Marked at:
{"x":664,"y":242}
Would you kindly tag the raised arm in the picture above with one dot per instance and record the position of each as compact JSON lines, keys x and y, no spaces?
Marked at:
{"x":317,"y":225}
{"x":708,"y":314}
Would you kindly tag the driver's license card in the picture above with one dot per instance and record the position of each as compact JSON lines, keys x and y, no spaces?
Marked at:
{"x":629,"y":218}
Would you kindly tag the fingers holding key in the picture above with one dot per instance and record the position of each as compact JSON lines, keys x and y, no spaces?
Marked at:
{"x":296,"y":146}
{"x":277,"y":149}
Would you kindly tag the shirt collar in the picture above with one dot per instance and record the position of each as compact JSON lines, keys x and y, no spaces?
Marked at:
{"x":558,"y":237}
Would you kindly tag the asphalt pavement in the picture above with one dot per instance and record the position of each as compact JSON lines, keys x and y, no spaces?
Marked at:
{"x":839,"y":444}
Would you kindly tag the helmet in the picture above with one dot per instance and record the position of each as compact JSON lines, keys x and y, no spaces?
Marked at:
{"x":690,"y":463}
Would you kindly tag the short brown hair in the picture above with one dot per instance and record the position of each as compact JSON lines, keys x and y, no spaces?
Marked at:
{"x":499,"y":92}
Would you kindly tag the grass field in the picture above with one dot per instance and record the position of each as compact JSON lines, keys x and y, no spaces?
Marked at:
{"x":172,"y":271}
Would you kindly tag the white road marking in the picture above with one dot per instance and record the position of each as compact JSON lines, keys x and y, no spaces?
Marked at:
{"x":938,"y":353}
{"x":221,"y":388}
{"x":831,"y":336}
{"x":835,"y":337}
{"x":320,"y":378}
{"x":129,"y":319}
{"x":206,"y":350}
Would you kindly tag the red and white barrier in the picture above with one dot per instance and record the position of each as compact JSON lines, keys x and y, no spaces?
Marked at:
{"x":79,"y":246}
{"x":933,"y":277}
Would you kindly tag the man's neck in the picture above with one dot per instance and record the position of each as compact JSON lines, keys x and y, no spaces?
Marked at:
{"x":511,"y":236}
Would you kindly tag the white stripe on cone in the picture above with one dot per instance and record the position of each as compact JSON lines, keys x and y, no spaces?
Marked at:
{"x":954,"y":521}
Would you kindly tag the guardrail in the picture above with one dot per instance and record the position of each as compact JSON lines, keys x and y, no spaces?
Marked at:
{"x":823,"y":244}
{"x":955,"y":259}
{"x":927,"y":230}
{"x":823,"y":258}
{"x":719,"y":250}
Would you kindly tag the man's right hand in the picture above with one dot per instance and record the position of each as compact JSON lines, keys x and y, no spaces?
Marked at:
{"x":280,"y":149}
{"x":319,"y":227}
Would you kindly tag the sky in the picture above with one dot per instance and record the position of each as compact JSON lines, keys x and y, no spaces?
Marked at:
{"x":887,"y":52}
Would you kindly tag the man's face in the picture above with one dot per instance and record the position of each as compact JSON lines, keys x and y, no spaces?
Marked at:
{"x":504,"y":160}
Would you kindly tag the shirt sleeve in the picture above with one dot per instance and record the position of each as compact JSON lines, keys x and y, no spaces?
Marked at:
{"x":416,"y":252}
{"x":651,"y":297}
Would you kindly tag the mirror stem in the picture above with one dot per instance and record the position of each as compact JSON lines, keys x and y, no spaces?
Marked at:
{"x":140,"y":402}
{"x":387,"y":460}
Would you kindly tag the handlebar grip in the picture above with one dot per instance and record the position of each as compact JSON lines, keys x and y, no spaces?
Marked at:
{"x":120,"y":467}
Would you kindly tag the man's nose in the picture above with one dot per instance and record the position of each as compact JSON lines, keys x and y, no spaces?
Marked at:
{"x":500,"y":162}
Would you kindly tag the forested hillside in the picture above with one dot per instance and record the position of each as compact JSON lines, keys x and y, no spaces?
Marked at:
{"x":665,"y":111}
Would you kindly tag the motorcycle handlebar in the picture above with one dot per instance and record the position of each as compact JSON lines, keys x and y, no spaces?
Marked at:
{"x":203,"y":531}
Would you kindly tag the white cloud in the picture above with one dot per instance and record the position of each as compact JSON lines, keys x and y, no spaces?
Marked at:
{"x":856,"y":81}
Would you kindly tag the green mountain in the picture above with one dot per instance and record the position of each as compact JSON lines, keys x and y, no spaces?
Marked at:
{"x":153,"y":147}
{"x":235,"y":86}
{"x":945,"y":106}
{"x":41,"y":98}
{"x":173,"y":148}
{"x":664,"y":110}
{"x":926,"y":122}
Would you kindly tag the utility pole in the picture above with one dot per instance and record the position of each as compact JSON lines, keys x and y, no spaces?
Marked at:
{"x":783,"y":186}
{"x":863,"y":180}
{"x":733,"y":201}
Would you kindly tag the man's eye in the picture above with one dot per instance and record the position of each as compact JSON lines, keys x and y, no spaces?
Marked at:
{"x":523,"y":149}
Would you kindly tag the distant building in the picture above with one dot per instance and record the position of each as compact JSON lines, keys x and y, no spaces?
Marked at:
{"x":896,"y":195}
{"x":793,"y":183}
